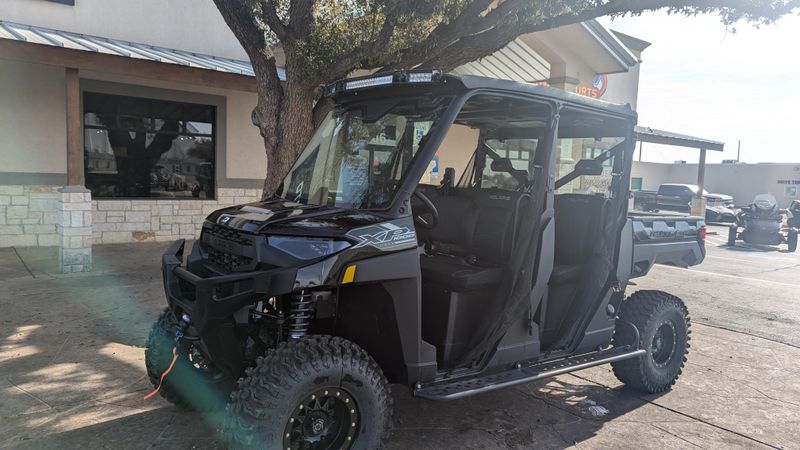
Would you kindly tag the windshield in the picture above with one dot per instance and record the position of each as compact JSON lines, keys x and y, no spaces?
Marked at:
{"x":359,"y":156}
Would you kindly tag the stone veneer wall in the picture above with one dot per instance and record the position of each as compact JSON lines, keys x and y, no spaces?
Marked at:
{"x":75,"y":229}
{"x":29,"y":215}
{"x":121,"y":221}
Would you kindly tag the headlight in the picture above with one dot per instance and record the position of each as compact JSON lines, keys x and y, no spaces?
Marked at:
{"x":307,"y":248}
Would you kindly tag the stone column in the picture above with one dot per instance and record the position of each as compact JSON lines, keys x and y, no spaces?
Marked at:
{"x":75,"y":229}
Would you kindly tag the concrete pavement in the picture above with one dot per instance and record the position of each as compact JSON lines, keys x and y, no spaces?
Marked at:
{"x":72,"y":369}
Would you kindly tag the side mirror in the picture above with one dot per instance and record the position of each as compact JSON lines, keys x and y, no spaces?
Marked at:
{"x":502,"y":165}
{"x":589,"y":167}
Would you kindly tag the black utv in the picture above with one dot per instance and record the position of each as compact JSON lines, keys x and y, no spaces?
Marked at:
{"x":369,"y":266}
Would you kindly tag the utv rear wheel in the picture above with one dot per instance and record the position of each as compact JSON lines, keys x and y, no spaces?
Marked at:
{"x":193,"y":382}
{"x":663,"y":324}
{"x":319,"y":392}
{"x":732,"y":231}
{"x":791,"y":239}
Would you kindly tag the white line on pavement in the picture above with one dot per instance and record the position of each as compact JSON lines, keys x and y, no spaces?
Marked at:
{"x":730,"y":276}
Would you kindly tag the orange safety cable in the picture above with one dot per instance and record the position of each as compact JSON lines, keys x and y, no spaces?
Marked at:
{"x":164,"y":375}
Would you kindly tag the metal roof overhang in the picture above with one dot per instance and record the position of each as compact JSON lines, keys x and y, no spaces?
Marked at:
{"x":653,"y":136}
{"x":126,"y":49}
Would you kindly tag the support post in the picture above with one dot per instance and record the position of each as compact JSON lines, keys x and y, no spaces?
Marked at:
{"x":74,"y":225}
{"x":698,"y":206}
{"x":73,"y":110}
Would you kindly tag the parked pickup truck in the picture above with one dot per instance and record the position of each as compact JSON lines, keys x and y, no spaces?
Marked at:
{"x":678,"y":197}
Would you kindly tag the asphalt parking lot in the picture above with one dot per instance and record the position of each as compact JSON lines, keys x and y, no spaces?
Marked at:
{"x":72,"y":370}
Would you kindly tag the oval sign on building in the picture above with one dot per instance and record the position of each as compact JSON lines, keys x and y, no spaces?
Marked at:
{"x":596,"y":90}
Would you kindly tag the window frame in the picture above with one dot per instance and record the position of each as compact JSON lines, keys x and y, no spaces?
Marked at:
{"x":150,"y":129}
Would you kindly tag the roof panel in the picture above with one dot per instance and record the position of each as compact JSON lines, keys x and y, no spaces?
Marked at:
{"x":117,"y":47}
{"x":647,"y":134}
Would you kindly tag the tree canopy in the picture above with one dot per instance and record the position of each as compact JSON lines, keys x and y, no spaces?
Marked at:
{"x":324,"y":40}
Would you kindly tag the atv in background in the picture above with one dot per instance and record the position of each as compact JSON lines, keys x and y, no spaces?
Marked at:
{"x":299,"y":310}
{"x":794,"y":214}
{"x":762,"y":221}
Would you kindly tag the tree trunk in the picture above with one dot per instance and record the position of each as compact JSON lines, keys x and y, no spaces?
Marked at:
{"x":286,"y":122}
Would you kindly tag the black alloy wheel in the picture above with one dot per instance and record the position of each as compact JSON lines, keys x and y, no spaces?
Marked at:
{"x":325,"y":419}
{"x":663,"y":346}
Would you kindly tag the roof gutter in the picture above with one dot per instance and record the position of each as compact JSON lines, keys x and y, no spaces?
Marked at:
{"x":611,"y":44}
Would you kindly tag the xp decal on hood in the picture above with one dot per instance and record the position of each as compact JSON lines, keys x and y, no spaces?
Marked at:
{"x":388,"y":236}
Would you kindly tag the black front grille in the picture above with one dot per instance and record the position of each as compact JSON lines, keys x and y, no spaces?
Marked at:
{"x":229,"y":249}
{"x":230,"y":234}
{"x":228,"y":261}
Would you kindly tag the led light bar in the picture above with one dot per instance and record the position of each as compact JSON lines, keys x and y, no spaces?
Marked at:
{"x":383,"y":79}
{"x":420,"y":77}
{"x":369,"y":82}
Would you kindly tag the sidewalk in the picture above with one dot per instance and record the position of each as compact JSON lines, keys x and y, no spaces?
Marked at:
{"x":72,"y":375}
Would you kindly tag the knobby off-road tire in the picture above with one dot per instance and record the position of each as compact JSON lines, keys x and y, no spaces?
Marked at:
{"x":732,"y":231}
{"x":791,"y":239}
{"x":315,"y":372}
{"x":186,"y":385}
{"x":664,"y":327}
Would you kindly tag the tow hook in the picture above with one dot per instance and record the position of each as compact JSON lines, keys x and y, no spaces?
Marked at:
{"x":183,"y":326}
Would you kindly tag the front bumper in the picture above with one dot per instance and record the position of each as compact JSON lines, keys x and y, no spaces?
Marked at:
{"x":211,"y":300}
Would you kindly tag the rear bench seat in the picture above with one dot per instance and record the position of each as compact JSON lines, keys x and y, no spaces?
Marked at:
{"x":472,"y":243}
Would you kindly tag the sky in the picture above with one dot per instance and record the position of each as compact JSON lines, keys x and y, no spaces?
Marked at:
{"x":701,"y":79}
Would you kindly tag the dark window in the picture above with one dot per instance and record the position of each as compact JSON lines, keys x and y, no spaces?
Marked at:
{"x":636,"y":184}
{"x":135,"y":147}
{"x":64,"y":2}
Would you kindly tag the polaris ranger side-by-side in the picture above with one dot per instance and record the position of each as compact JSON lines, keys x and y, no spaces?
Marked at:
{"x":363,"y":270}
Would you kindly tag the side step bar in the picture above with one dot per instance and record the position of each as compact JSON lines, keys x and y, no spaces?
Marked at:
{"x":471,"y":386}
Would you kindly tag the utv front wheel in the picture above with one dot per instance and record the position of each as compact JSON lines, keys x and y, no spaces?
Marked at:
{"x":193,"y":382}
{"x":319,"y":392}
{"x":663,"y":324}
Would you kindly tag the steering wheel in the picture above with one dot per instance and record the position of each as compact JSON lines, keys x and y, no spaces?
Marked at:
{"x":428,"y":218}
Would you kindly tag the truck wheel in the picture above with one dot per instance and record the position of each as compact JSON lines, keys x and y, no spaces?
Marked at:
{"x":192,"y":383}
{"x":791,"y":239}
{"x":318,"y":392}
{"x":663,"y":323}
{"x":733,"y":230}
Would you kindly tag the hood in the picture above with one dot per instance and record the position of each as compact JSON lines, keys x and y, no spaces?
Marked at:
{"x":285,"y":217}
{"x":719,"y":197}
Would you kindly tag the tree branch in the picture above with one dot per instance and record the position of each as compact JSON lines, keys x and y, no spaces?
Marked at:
{"x":301,"y":18}
{"x":240,"y":20}
{"x":366,"y":51}
{"x":515,"y":22}
{"x":269,"y":14}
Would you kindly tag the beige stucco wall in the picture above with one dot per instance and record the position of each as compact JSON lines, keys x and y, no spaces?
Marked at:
{"x":32,"y":118}
{"x":192,"y":25}
{"x":742,"y":181}
{"x":623,"y":87}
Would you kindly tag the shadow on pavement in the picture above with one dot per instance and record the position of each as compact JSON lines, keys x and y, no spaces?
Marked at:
{"x":72,"y":374}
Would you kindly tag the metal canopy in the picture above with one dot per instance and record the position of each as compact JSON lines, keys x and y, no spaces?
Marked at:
{"x":651,"y":135}
{"x":96,"y":44}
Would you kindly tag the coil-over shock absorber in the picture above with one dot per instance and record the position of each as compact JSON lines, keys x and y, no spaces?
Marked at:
{"x":301,"y":310}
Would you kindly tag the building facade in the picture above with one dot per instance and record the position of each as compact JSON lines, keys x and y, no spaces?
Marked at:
{"x":741,"y":181}
{"x":130,"y":121}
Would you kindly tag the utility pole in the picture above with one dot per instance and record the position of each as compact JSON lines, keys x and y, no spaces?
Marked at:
{"x":739,"y":151}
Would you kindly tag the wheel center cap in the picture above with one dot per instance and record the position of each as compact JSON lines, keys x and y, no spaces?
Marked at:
{"x":318,"y":426}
